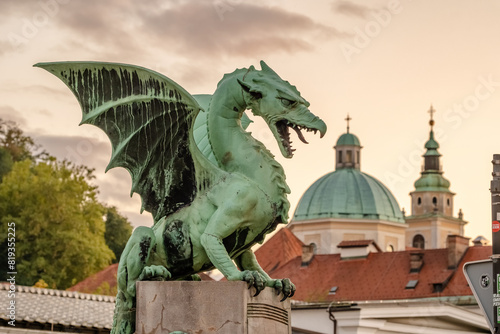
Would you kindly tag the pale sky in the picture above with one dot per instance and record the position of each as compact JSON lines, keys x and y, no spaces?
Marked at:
{"x":383,"y":62}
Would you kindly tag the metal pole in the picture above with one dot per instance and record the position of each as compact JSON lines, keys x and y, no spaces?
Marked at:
{"x":495,"y":215}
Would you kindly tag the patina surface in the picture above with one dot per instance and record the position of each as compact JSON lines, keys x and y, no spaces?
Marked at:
{"x":209,"y":208}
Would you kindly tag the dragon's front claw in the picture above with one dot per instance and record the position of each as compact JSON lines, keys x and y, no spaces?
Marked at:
{"x":253,"y":278}
{"x":284,"y":286}
{"x":288,"y":289}
{"x":154,"y":272}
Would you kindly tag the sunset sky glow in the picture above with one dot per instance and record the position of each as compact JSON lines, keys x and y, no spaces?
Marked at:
{"x":383,"y":62}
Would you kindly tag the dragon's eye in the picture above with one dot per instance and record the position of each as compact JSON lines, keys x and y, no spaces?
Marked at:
{"x":286,"y":102}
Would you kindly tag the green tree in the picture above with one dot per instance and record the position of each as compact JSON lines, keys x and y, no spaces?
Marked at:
{"x":16,"y":146}
{"x":12,"y":139}
{"x":6,"y":162}
{"x":59,"y":222}
{"x":118,"y":231}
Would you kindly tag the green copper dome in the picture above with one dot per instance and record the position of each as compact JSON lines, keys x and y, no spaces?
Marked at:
{"x":432,"y":182}
{"x":351,"y":194}
{"x":431,"y":144}
{"x":348,"y":139}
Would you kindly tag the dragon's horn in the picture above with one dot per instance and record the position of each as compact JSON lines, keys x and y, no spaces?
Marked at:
{"x":266,"y":68}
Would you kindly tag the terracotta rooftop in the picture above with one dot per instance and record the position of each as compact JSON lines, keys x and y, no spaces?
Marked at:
{"x":279,"y":250}
{"x":105,"y":278}
{"x":380,"y":276}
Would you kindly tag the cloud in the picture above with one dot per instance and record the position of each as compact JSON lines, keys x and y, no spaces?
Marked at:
{"x":245,"y":30}
{"x":16,"y":8}
{"x":7,"y":113}
{"x":351,"y":9}
{"x":79,"y":150}
{"x":5,"y":47}
{"x":190,"y":29}
{"x":101,"y":23}
{"x":114,"y":189}
{"x":60,"y":93}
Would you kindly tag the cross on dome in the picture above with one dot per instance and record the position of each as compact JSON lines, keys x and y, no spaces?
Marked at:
{"x":347,"y":119}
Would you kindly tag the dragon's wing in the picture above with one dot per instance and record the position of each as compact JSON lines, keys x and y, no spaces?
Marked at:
{"x":149,"y":120}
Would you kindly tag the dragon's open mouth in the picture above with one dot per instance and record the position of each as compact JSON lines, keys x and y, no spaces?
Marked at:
{"x":283,"y":130}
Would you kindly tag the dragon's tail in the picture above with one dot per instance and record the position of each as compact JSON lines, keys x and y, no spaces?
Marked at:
{"x":124,"y":316}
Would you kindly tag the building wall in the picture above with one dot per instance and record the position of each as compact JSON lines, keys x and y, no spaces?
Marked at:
{"x":444,"y":203}
{"x":380,"y":317}
{"x":328,"y":234}
{"x":434,"y":229}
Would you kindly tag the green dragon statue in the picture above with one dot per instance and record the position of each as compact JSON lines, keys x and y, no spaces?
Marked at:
{"x":208,"y":208}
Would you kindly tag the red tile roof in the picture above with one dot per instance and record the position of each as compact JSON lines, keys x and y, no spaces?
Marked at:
{"x":95,"y":283}
{"x":277,"y":251}
{"x":380,"y":276}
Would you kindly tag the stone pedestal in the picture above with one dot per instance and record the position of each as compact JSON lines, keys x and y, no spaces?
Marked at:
{"x":209,"y":307}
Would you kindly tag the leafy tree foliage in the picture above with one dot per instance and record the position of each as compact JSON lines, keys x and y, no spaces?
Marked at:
{"x":59,"y":222}
{"x":16,"y":146}
{"x":118,"y":231}
{"x":14,"y":141}
{"x":6,"y":162}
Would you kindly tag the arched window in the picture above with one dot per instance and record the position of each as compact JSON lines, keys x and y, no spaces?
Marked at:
{"x":434,"y":201}
{"x":340,"y":157}
{"x":419,"y":200}
{"x":419,"y":241}
{"x":448,"y":202}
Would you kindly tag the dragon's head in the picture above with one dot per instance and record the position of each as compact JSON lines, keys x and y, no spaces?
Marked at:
{"x":280,"y":105}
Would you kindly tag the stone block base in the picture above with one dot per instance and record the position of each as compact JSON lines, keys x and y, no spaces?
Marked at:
{"x":209,"y":307}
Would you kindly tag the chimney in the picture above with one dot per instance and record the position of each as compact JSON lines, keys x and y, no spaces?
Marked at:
{"x":308,"y":252}
{"x":480,"y":241}
{"x":416,"y":261}
{"x":457,"y":246}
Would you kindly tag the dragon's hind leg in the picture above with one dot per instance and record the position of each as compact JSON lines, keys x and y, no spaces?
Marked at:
{"x":134,"y":266}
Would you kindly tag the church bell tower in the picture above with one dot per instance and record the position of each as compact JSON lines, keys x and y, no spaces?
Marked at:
{"x":431,"y":219}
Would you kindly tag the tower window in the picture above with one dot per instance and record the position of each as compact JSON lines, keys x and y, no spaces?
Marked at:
{"x":357,"y":157}
{"x":434,"y":201}
{"x":431,"y":163}
{"x":340,"y":157}
{"x":448,"y":202}
{"x":419,"y":241}
{"x":419,"y":201}
{"x":349,"y":156}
